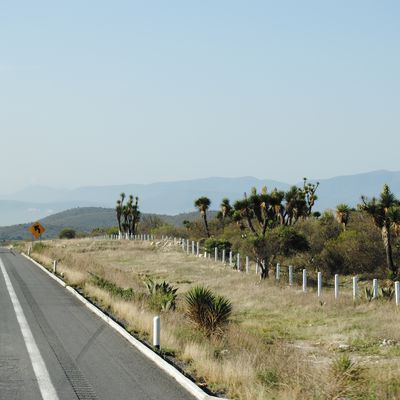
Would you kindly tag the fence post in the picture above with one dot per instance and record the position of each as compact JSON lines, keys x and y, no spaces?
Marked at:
{"x":198,"y":249}
{"x":375,"y":288}
{"x":223,"y":256}
{"x":397,"y":292}
{"x":290,"y":275}
{"x":238,"y":261}
{"x":156,"y":332}
{"x":216,"y":254}
{"x":230,"y":258}
{"x":188,"y":246}
{"x":256,"y":267}
{"x":336,"y":286}
{"x":319,"y":287}
{"x":54,"y":267}
{"x":192,"y":247}
{"x":278,"y":271}
{"x":247,"y":265}
{"x":355,"y":287}
{"x":304,"y":280}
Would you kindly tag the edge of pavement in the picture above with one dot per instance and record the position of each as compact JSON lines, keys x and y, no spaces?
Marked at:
{"x":185,"y":382}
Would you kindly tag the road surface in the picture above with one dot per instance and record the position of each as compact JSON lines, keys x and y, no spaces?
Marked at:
{"x":52,"y":347}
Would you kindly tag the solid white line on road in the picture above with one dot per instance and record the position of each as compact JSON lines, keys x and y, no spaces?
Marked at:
{"x":39,"y":367}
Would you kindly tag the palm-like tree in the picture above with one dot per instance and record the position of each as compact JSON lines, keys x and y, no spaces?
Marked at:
{"x":385,"y":212}
{"x":225,"y":210}
{"x":342,"y":215}
{"x":203,"y":204}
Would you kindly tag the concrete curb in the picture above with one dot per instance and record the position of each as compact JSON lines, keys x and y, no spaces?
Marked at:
{"x":185,"y":382}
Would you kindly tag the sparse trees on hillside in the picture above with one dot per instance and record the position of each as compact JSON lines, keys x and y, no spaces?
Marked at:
{"x":385,"y":213}
{"x":203,"y":204}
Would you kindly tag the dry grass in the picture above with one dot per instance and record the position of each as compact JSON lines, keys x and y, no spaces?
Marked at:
{"x":281,"y":342}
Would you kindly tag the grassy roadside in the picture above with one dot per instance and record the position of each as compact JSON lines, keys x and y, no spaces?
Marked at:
{"x":281,"y":344}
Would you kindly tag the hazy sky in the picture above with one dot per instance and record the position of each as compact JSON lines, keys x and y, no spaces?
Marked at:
{"x":107,"y":92}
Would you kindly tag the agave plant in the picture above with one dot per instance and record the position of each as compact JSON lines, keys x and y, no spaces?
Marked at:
{"x":162,"y":296}
{"x":207,"y":311}
{"x":386,"y":293}
{"x":369,"y":294}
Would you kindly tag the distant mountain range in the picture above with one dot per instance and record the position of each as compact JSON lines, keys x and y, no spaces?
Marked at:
{"x":172,"y":198}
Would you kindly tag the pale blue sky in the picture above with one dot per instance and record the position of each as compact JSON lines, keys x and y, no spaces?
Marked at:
{"x":107,"y":92}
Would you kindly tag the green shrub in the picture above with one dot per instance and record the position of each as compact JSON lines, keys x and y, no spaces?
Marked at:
{"x":162,"y":296}
{"x":207,"y":311}
{"x":116,"y":291}
{"x":211,"y":244}
{"x":67,"y":233}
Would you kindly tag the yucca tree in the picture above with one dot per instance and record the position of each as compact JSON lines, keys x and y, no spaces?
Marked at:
{"x":342,"y":214}
{"x":385,"y":213}
{"x":203,"y":204}
{"x":225,"y":210}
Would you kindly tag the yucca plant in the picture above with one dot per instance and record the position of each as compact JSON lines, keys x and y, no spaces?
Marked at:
{"x":386,"y":293}
{"x":162,"y":296}
{"x":369,"y":294}
{"x":207,"y":311}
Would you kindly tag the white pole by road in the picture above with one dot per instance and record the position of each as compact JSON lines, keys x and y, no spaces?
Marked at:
{"x":375,"y":288}
{"x":238,"y":261}
{"x":355,"y":287}
{"x":156,"y":332}
{"x":223,"y":256}
{"x":247,"y":265}
{"x":192,"y":247}
{"x":230,"y":258}
{"x":319,"y":287}
{"x":336,"y":286}
{"x":290,"y":275}
{"x":278,"y":271}
{"x":216,"y":254}
{"x":397,"y":292}
{"x":198,"y":249}
{"x":54,"y":267}
{"x":304,"y":280}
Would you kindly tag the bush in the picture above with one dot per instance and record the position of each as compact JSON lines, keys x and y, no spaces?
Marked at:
{"x":67,"y":233}
{"x":162,"y":296}
{"x":211,"y":244}
{"x":116,"y":291}
{"x":207,"y":311}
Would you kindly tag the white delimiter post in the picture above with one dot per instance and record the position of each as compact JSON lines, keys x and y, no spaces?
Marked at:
{"x":192,"y":247}
{"x":319,"y":282}
{"x":256,"y":267}
{"x":216,"y":254}
{"x":290,"y":275}
{"x":304,"y":280}
{"x":247,"y":265}
{"x":54,"y":266}
{"x":223,"y":256}
{"x":355,"y":287}
{"x":397,"y":292}
{"x":278,"y":271}
{"x":375,"y":288}
{"x":198,"y":249}
{"x":336,"y":286}
{"x":238,"y":261}
{"x":230,"y":258}
{"x":188,"y":246}
{"x":156,"y":332}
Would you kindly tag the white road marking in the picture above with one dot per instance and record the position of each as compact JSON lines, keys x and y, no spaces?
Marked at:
{"x":39,"y":367}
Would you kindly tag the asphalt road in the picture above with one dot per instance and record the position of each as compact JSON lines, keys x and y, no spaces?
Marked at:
{"x":52,"y":347}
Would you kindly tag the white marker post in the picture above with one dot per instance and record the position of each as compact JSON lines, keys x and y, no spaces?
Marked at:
{"x":397,"y":292}
{"x":375,"y":288}
{"x":336,"y":286}
{"x":304,"y":280}
{"x":319,"y":284}
{"x":156,"y":332}
{"x":230,"y":259}
{"x":223,"y":256}
{"x":198,"y":249}
{"x":247,"y":265}
{"x":257,"y":267}
{"x":355,"y":287}
{"x":192,"y":247}
{"x":216,"y":254}
{"x":238,"y":261}
{"x":278,"y":271}
{"x":54,"y":267}
{"x":290,"y":275}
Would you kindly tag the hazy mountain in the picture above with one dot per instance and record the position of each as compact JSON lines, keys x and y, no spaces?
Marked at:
{"x":177,"y":197}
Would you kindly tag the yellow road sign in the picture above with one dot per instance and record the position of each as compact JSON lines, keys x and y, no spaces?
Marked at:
{"x":37,"y":229}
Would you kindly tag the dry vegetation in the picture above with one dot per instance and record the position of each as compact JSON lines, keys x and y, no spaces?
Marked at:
{"x":281,"y":343}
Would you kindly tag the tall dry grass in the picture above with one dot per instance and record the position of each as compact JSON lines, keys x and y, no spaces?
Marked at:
{"x":281,"y":343}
